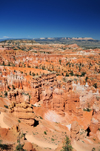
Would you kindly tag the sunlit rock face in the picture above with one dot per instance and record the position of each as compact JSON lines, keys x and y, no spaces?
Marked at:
{"x":23,"y":111}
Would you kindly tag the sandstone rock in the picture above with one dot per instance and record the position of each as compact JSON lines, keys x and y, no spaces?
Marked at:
{"x":29,"y":122}
{"x":93,"y":128}
{"x":15,"y":128}
{"x":98,"y":134}
{"x":20,"y":109}
{"x":95,"y":122}
{"x":29,"y":147}
{"x":3,"y":132}
{"x":24,"y":115}
{"x":12,"y":105}
{"x":23,"y":111}
{"x":75,"y":131}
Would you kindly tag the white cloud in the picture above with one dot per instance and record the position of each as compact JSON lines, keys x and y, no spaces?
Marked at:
{"x":4,"y":37}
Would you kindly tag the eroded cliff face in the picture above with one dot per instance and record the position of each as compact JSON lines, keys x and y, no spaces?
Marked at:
{"x":23,"y":111}
{"x":59,"y":83}
{"x":70,"y":98}
{"x":95,"y":121}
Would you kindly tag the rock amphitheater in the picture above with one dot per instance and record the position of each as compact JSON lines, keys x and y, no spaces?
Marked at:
{"x":49,"y":93}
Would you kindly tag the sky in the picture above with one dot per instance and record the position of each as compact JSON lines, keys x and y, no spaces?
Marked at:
{"x":49,"y":18}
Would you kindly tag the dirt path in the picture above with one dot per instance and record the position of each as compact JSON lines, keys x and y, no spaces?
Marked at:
{"x":79,"y":146}
{"x":43,"y":144}
{"x":2,"y":123}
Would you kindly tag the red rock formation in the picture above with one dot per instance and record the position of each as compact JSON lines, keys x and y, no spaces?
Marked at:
{"x":28,"y":146}
{"x":23,"y":111}
{"x":75,"y":131}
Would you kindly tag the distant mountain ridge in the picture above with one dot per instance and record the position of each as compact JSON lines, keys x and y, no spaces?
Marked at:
{"x":50,"y":38}
{"x":86,"y":42}
{"x":66,"y":38}
{"x":83,"y":42}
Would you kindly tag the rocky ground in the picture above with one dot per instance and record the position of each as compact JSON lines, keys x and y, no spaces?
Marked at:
{"x":48,"y":93}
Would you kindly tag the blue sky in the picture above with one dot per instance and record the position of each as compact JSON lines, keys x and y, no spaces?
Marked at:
{"x":49,"y":18}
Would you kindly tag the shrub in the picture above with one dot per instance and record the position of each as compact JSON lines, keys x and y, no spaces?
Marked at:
{"x":8,"y":63}
{"x":79,"y":68}
{"x":64,"y":79}
{"x":67,"y":63}
{"x":3,"y":146}
{"x":45,"y":132}
{"x":86,"y":79}
{"x":93,"y":149}
{"x":60,"y":62}
{"x":19,"y":147}
{"x":87,"y":109}
{"x":19,"y":121}
{"x":57,"y":74}
{"x":30,"y":73}
{"x":13,"y":87}
{"x":67,"y":75}
{"x":77,"y":75}
{"x":67,"y":145}
{"x":9,"y":88}
{"x":83,"y":74}
{"x":5,"y":93}
{"x":71,"y":73}
{"x":95,"y":85}
{"x":52,"y":139}
{"x":33,"y":74}
{"x":6,"y":106}
{"x":3,"y":63}
{"x":23,"y":135}
{"x":43,"y":67}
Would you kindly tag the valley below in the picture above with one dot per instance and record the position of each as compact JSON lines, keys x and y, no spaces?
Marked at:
{"x":49,"y":96}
